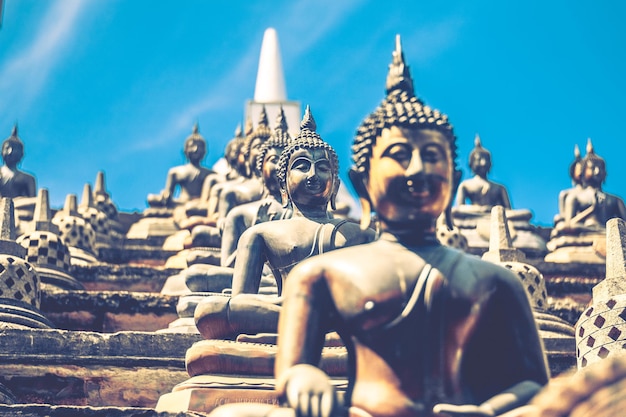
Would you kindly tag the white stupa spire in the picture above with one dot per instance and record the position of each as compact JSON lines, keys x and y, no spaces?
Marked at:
{"x":270,"y":80}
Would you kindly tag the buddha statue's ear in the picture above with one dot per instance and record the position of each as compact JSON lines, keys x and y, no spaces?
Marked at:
{"x":358,"y":182}
{"x":284,"y":195}
{"x":456,"y":180}
{"x":333,"y":196}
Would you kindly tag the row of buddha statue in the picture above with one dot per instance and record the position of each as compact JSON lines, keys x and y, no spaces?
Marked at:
{"x":272,"y":266}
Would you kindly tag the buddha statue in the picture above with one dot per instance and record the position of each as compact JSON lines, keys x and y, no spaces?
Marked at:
{"x":268,"y":208}
{"x":580,"y":236}
{"x":13,"y":182}
{"x":308,"y":173}
{"x":474,"y":200}
{"x":250,"y":189}
{"x":189,"y":177}
{"x":429,"y":330}
{"x":478,"y":189}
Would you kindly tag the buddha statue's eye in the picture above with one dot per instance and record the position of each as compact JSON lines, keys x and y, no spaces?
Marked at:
{"x":272,"y":158}
{"x":322,"y":166}
{"x":432,"y":154}
{"x":301,"y":165}
{"x":401,"y":152}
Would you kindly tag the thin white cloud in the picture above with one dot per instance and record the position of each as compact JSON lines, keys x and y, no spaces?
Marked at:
{"x":24,"y":74}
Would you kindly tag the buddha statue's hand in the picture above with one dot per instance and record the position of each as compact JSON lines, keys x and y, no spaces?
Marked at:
{"x":465,"y":410}
{"x":307,"y":390}
{"x":263,"y":214}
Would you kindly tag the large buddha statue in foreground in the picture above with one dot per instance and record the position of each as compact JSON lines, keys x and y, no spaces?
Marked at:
{"x":475,"y":198}
{"x":429,"y":330}
{"x":189,"y":177}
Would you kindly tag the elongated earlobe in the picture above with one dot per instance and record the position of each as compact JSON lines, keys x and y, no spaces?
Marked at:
{"x":333,"y":196}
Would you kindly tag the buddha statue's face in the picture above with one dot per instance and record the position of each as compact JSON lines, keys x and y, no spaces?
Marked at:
{"x":410,"y":175}
{"x":480,"y":163}
{"x":270,"y":161}
{"x":12,"y":152}
{"x":594,"y":173}
{"x":195,"y":149}
{"x":310,"y":177}
{"x":577,"y":172}
{"x":255,"y":149}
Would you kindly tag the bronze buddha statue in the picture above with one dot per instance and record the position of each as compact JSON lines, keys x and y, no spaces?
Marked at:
{"x":430,"y":331}
{"x":13,"y":182}
{"x":479,"y":190}
{"x":308,"y":173}
{"x":189,"y":177}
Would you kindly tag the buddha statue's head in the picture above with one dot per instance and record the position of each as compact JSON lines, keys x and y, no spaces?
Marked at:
{"x":576,"y":167}
{"x":594,"y":168}
{"x":12,"y":149}
{"x":479,"y":159}
{"x":254,"y":141}
{"x":233,"y":147}
{"x":404,"y":155}
{"x":269,"y":155}
{"x":308,"y":168}
{"x":195,"y":146}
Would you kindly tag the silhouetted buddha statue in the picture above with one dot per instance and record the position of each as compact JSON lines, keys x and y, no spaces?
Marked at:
{"x":478,"y":189}
{"x":575,"y":173}
{"x":475,"y":198}
{"x":13,"y":182}
{"x":429,"y":330}
{"x":308,"y":173}
{"x":189,"y":177}
{"x":580,"y":236}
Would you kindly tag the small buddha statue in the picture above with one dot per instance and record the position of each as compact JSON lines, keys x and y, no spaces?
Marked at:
{"x":429,"y":330}
{"x":474,"y":200}
{"x":575,"y":173}
{"x":580,"y":236}
{"x":309,"y":177}
{"x":479,"y":190}
{"x":13,"y":182}
{"x":189,"y":177}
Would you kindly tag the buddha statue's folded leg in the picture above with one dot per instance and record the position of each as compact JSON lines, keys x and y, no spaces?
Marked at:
{"x":252,"y":410}
{"x":227,"y":317}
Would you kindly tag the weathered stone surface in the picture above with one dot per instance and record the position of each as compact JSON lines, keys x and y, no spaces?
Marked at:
{"x":40,"y":410}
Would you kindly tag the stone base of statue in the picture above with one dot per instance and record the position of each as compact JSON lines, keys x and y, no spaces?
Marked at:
{"x":155,"y":223}
{"x":15,"y":314}
{"x":586,"y":248}
{"x":474,"y":222}
{"x":58,"y":279}
{"x":236,"y":372}
{"x":558,"y":338}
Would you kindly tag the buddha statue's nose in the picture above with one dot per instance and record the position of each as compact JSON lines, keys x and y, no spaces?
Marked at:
{"x":416,"y":165}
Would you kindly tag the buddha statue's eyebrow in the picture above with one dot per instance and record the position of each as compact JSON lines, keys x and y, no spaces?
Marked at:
{"x":312,"y":161}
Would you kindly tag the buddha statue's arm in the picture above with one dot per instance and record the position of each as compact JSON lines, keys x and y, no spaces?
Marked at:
{"x":303,"y":323}
{"x":621,"y":208}
{"x":461,"y":195}
{"x":504,"y":198}
{"x":252,"y":252}
{"x":170,"y":185}
{"x":31,"y":187}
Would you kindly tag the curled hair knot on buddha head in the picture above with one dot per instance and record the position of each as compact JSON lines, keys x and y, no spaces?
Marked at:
{"x":279,"y":139}
{"x":262,"y":132}
{"x":308,"y":138}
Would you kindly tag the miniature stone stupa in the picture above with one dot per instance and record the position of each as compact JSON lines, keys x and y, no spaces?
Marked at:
{"x":20,"y":295}
{"x":76,"y":232}
{"x":46,"y":250}
{"x":601,"y":329}
{"x":557,"y":334}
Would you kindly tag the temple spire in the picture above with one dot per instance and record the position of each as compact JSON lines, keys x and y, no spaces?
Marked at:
{"x":8,"y":245}
{"x":270,"y":81}
{"x":71,"y":205}
{"x":500,"y":242}
{"x":42,"y":215}
{"x":87,"y":198}
{"x":99,"y":187}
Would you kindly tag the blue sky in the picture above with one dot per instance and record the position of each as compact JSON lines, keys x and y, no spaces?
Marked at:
{"x":116,"y":85}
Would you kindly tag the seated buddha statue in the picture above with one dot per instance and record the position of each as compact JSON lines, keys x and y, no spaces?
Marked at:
{"x":429,"y":330}
{"x":189,"y":178}
{"x":308,"y":173}
{"x":475,"y":199}
{"x":478,"y":190}
{"x":13,"y":182}
{"x":575,"y":173}
{"x":581,"y":234}
{"x":270,"y":207}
